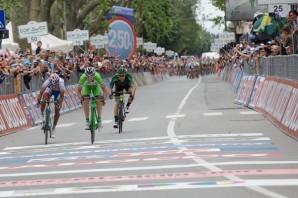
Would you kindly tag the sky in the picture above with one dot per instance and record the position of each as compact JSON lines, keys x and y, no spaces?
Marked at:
{"x":207,"y":10}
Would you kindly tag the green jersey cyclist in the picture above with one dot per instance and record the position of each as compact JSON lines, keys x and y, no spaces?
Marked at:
{"x":91,"y":81}
{"x":122,"y":81}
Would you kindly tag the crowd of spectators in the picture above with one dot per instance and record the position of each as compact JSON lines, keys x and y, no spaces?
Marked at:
{"x":25,"y":64}
{"x":250,"y":50}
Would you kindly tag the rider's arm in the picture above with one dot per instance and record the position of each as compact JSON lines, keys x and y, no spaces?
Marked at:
{"x":62,"y":91}
{"x":42,"y":89}
{"x":82,"y":81}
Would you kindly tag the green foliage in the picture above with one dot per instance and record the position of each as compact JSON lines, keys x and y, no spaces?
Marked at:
{"x":7,"y":5}
{"x":219,"y":4}
{"x":170,"y":23}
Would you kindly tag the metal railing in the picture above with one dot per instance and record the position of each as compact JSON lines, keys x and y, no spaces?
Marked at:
{"x":285,"y":66}
{"x":281,"y":66}
{"x":295,"y":42}
{"x":7,"y":87}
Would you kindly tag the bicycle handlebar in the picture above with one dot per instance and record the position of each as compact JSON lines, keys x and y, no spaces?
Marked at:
{"x":121,"y":92}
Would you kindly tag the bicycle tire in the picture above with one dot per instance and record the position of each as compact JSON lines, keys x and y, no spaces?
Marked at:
{"x":120,"y":118}
{"x":47,"y":125}
{"x":46,"y":135}
{"x":92,"y":125}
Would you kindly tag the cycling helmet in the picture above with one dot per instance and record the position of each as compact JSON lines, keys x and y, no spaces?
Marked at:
{"x":90,"y":70}
{"x":122,"y":70}
{"x":54,"y":79}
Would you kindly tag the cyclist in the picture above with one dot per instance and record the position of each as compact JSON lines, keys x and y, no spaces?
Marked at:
{"x":53,"y":86}
{"x":122,"y":81}
{"x":91,"y":81}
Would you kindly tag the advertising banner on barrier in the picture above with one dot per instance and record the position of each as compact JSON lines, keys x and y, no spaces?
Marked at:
{"x":74,"y":97}
{"x":290,"y":119}
{"x":71,"y":102}
{"x":278,"y":101}
{"x":12,"y":114}
{"x":281,"y":100}
{"x":237,"y":79}
{"x":245,"y":90}
{"x":256,"y":92}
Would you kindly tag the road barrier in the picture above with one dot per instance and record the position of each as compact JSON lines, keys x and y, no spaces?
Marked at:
{"x":279,"y":102}
{"x":245,"y":90}
{"x":256,"y":92}
{"x":12,"y":114}
{"x":275,"y":97}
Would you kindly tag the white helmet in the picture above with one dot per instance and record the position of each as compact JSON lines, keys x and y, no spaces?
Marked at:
{"x":54,"y":79}
{"x":90,"y":70}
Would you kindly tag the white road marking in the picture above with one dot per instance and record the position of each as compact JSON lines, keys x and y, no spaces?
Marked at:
{"x":222,"y":135}
{"x":138,"y":168}
{"x":137,"y":119}
{"x":107,"y":121}
{"x":213,"y":114}
{"x":249,"y":113}
{"x":138,"y":139}
{"x":175,"y":116}
{"x":65,"y":125}
{"x":155,"y":186}
{"x":171,"y":133}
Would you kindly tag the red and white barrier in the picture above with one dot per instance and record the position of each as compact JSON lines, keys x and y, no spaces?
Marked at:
{"x":245,"y":90}
{"x":256,"y":92}
{"x":290,"y":118}
{"x":279,"y":102}
{"x":12,"y":114}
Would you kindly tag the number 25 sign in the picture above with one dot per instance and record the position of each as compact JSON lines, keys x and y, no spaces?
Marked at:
{"x":122,"y":38}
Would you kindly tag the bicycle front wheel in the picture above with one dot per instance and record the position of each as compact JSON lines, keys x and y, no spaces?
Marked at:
{"x":93,"y":125}
{"x":120,"y":118}
{"x":46,"y":126}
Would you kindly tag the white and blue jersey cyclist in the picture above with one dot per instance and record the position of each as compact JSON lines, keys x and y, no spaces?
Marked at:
{"x":53,"y":86}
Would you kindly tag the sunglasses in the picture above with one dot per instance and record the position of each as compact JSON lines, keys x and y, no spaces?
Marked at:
{"x":122,"y":75}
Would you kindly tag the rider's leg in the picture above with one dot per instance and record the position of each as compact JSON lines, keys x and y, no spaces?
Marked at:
{"x":116,"y":112}
{"x":99,"y":104}
{"x":46,"y":96}
{"x":85,"y":94}
{"x":57,"y":108}
{"x":132,"y":90}
{"x":97,"y":92}
{"x":86,"y":107}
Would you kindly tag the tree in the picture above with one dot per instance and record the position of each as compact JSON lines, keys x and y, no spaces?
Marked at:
{"x":170,"y":23}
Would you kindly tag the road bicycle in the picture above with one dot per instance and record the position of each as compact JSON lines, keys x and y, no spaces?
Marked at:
{"x":120,"y":96}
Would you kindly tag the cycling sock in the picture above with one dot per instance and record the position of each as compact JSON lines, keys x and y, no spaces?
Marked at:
{"x":87,"y":120}
{"x":99,"y":119}
{"x":116,"y":118}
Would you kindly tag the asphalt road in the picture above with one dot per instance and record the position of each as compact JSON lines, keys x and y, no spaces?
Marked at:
{"x":182,"y":138}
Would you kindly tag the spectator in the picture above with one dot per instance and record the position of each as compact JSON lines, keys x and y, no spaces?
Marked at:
{"x":38,"y":49}
{"x":293,"y":20}
{"x":286,"y":40}
{"x":275,"y":50}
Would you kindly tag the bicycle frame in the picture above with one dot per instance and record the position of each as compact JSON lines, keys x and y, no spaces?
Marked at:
{"x":121,"y":110}
{"x":47,"y":127}
{"x":92,"y":117}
